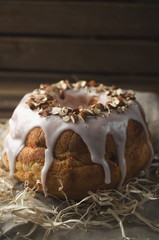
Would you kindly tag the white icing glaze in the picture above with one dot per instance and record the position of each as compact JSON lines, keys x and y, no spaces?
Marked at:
{"x":93,"y":132}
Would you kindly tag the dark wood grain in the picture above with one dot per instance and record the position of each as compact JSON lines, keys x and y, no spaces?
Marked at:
{"x":73,"y":55}
{"x":18,"y":83}
{"x":77,"y":18}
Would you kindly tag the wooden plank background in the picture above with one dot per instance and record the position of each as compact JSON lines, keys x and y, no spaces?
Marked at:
{"x":75,"y":18}
{"x":113,"y":42}
{"x":79,"y":55}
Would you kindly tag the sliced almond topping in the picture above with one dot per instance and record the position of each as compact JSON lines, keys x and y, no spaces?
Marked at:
{"x":42,"y":92}
{"x":131,"y":92}
{"x":82,"y":116}
{"x":119,"y":91}
{"x":55,"y":110}
{"x":99,"y":106}
{"x":74,"y":118}
{"x":63,"y":85}
{"x":44,"y":100}
{"x":80,"y":107}
{"x":66,"y":118}
{"x":116,"y":101}
{"x":69,"y":85}
{"x":63,"y":111}
{"x":97,"y":111}
{"x":31,"y":104}
{"x":88,"y":112}
{"x":83,"y":84}
{"x":75,"y":110}
{"x":108,"y":92}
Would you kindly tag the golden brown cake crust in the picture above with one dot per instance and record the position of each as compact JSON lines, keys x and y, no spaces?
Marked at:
{"x":72,"y":163}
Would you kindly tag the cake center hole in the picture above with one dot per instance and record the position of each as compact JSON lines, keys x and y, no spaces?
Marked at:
{"x":74,"y":99}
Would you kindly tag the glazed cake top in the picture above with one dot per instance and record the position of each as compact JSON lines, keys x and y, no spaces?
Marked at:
{"x":80,"y":100}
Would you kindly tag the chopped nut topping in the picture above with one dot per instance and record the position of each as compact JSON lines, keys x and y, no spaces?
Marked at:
{"x":66,"y":118}
{"x":82,"y":116}
{"x":88,"y":112}
{"x":74,"y":118}
{"x":56,"y":110}
{"x":100,"y":106}
{"x":75,"y":110}
{"x":45,"y":101}
{"x":119,"y":91}
{"x":97,"y":111}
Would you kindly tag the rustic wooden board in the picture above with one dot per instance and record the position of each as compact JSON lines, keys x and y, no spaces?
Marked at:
{"x":76,"y":18}
{"x":74,"y":55}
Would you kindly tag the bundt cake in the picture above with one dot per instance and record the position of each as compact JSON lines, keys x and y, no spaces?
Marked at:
{"x":77,"y":137}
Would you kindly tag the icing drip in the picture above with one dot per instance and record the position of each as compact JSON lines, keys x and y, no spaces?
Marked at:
{"x":93,"y":132}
